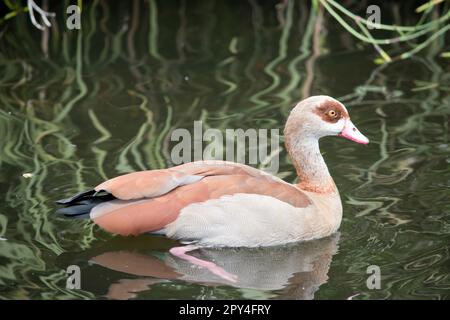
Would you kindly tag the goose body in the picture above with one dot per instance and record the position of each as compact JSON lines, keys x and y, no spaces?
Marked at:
{"x":219,"y":203}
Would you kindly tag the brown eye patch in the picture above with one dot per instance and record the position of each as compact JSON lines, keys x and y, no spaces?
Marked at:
{"x":330,"y":111}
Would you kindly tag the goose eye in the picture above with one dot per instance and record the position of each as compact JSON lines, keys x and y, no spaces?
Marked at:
{"x":332,"y":113}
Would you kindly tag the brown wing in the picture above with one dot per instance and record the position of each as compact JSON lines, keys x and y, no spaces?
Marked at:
{"x":135,"y":217}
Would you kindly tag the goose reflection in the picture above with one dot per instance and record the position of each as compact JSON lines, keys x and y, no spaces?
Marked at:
{"x":294,"y":271}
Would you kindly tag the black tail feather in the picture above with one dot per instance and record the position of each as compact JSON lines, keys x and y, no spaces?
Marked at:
{"x":77,"y":197}
{"x":80,"y":205}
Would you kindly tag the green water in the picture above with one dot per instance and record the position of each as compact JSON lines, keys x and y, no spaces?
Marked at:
{"x":78,"y":107}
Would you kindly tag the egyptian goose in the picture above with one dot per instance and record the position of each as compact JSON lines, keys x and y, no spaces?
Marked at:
{"x":225,"y":204}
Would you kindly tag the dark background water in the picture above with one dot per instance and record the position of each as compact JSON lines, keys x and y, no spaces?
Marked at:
{"x":77,"y":107}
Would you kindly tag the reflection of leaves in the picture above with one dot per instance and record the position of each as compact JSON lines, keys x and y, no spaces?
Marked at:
{"x":435,"y":28}
{"x":428,"y":5}
{"x":423,"y":85}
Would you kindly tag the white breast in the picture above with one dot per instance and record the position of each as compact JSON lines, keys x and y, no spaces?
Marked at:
{"x":250,"y":220}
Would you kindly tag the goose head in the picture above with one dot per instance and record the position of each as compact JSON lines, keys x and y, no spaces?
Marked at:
{"x":320,"y":116}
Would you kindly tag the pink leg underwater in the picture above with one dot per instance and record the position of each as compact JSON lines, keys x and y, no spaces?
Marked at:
{"x":180,"y":252}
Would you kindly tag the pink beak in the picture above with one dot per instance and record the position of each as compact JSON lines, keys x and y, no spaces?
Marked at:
{"x":350,"y":132}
